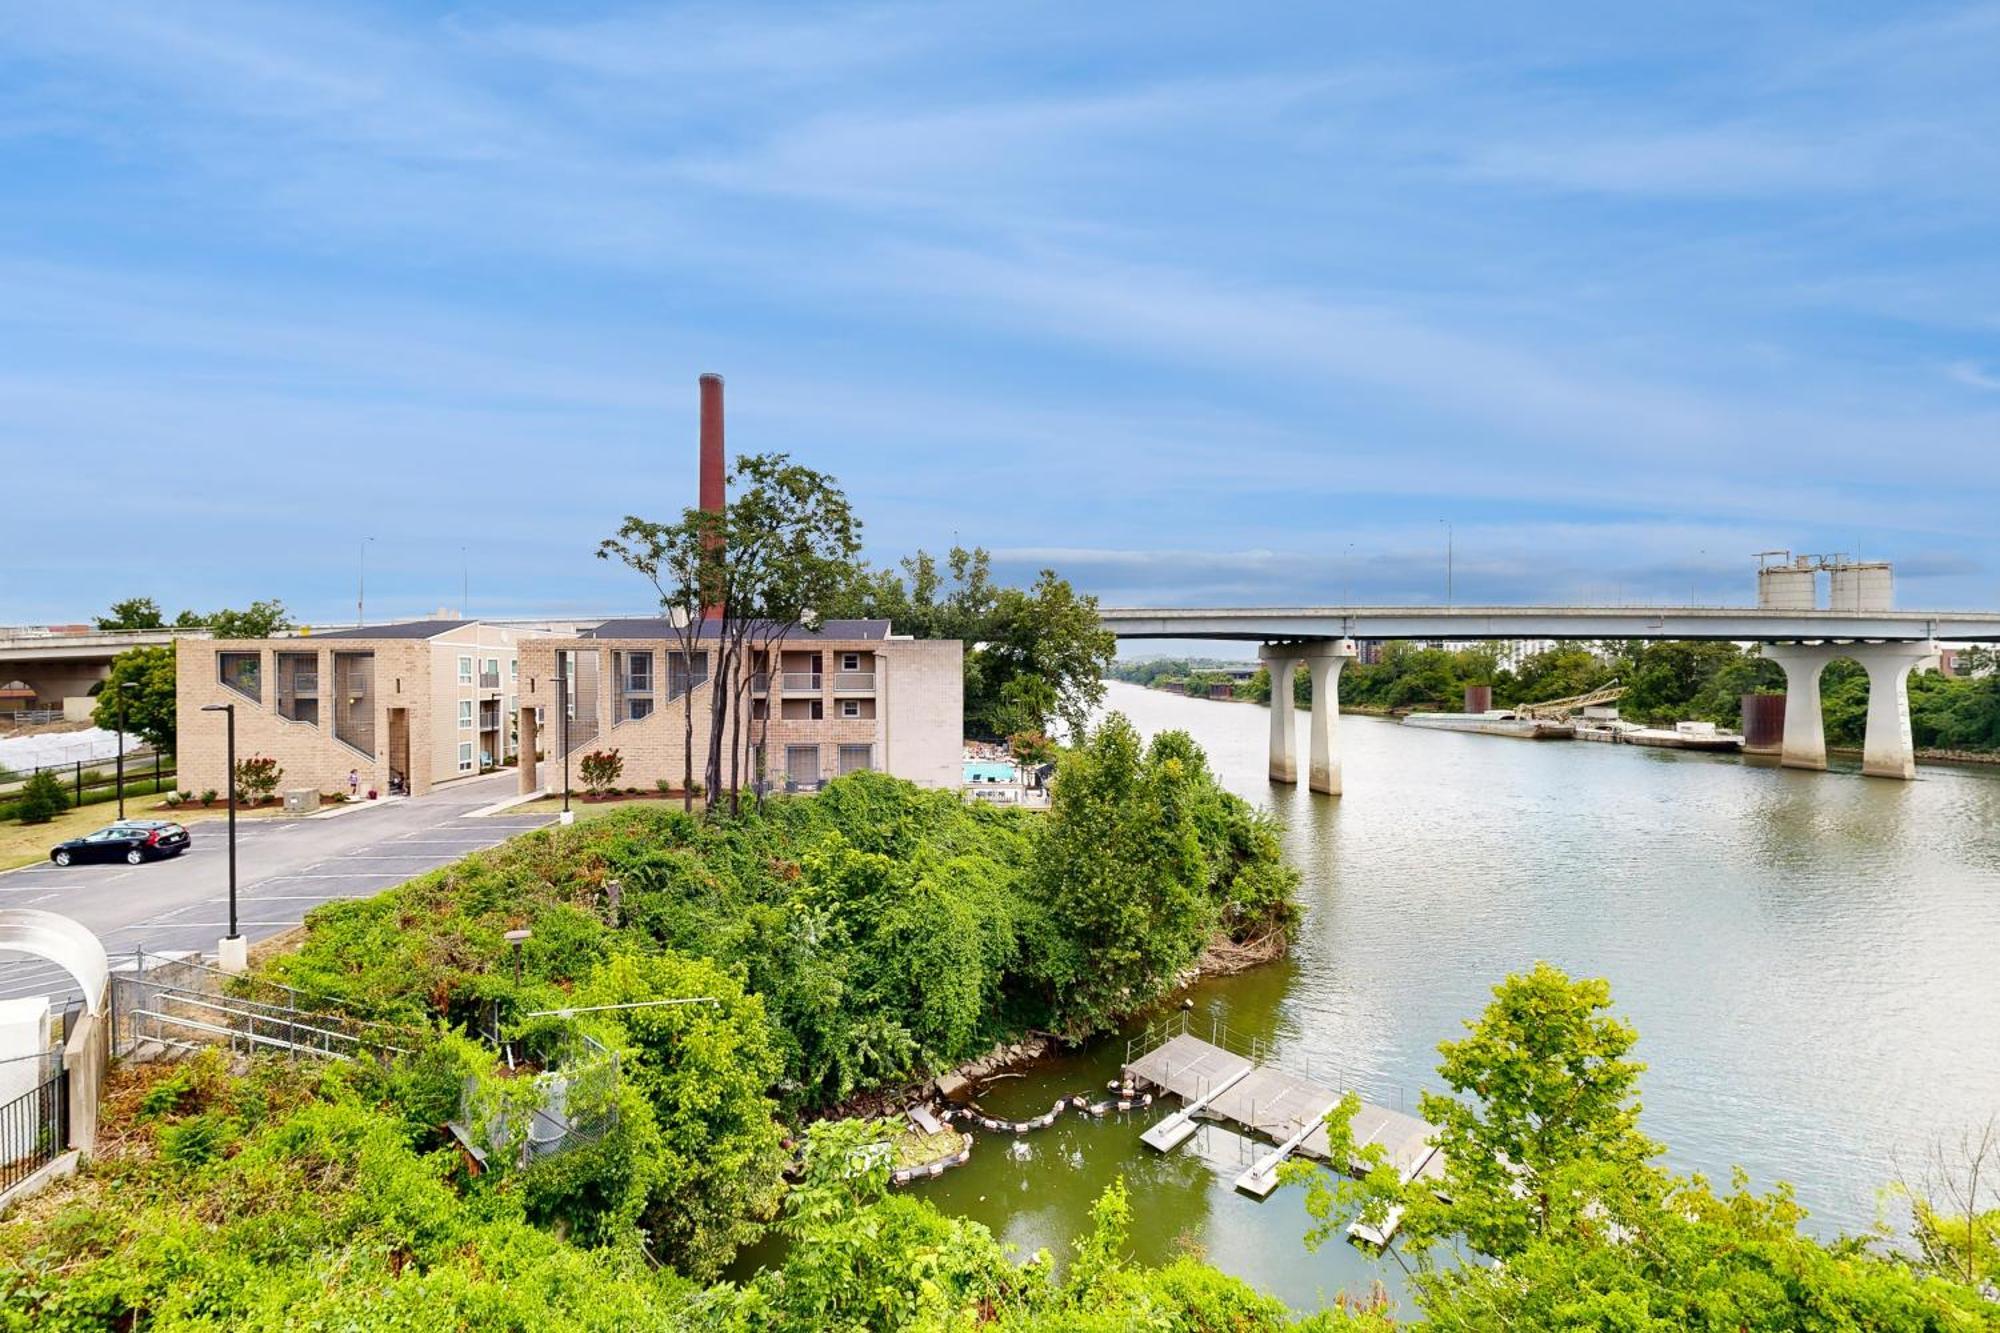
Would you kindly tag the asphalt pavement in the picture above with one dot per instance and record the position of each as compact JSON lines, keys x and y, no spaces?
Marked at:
{"x":284,"y":869}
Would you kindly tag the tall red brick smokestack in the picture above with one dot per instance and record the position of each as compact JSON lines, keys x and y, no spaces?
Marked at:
{"x":713,"y":495}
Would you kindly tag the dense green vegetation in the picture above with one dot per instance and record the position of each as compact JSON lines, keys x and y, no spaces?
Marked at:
{"x":1665,"y":682}
{"x":317,"y":1196}
{"x":1034,"y":657}
{"x":855,"y":939}
{"x":1193,"y":674}
{"x":1549,"y":1173}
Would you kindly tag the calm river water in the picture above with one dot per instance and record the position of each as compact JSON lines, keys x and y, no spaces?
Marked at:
{"x":1810,"y":960}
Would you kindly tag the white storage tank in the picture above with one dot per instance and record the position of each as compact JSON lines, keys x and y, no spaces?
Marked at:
{"x":1792,"y":587}
{"x":1863,"y":586}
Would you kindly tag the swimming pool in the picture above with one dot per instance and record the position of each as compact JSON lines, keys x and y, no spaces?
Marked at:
{"x":986,"y":770}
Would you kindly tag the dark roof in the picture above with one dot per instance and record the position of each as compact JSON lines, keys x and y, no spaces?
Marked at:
{"x":408,"y":629}
{"x":657,"y":627}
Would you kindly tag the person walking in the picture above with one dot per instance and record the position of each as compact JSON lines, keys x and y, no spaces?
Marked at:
{"x":353,"y":784}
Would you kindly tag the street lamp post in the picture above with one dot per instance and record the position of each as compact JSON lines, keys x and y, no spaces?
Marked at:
{"x":232,"y":953}
{"x":562,"y":726}
{"x":119,"y":699}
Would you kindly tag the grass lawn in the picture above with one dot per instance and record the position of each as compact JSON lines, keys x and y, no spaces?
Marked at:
{"x":591,"y":809}
{"x":25,"y":844}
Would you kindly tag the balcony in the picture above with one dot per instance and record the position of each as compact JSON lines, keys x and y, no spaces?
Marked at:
{"x":489,"y":680}
{"x":305,"y":683}
{"x":854,"y":682}
{"x":803,"y":682}
{"x":760,"y":682}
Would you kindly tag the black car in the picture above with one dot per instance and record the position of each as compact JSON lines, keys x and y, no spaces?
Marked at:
{"x":129,"y":840}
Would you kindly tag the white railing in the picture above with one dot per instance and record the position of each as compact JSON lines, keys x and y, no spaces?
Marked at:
{"x":803,"y":681}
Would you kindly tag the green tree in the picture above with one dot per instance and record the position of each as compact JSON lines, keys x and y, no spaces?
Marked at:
{"x":1547,"y":1103}
{"x":705,"y":1067}
{"x":149,"y":709}
{"x":601,"y":769}
{"x":1034,"y":657}
{"x":132,"y":613}
{"x":1121,"y":876}
{"x":260,"y":621}
{"x":42,"y":799}
{"x":776,"y":557}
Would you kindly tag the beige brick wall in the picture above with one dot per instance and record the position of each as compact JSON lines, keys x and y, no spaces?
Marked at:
{"x":309,"y":753}
{"x":915,"y":733}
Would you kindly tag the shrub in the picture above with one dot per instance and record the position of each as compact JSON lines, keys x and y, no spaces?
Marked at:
{"x":600,"y":769}
{"x":173,"y":800}
{"x":665,"y":786}
{"x":42,"y":799}
{"x":186,"y":797}
{"x":697,"y":788}
{"x":208,"y":796}
{"x":256,"y":778}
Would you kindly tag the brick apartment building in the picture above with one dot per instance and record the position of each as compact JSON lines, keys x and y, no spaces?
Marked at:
{"x":422,"y":702}
{"x":850,"y":695}
{"x":432,"y":701}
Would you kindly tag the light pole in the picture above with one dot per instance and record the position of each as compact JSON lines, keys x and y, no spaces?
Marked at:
{"x":1447,"y":560}
{"x":119,"y":699}
{"x":361,"y":585}
{"x":233,"y":954}
{"x":562,"y":726}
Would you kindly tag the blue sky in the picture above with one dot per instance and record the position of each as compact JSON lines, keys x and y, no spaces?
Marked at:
{"x":1201,"y":304}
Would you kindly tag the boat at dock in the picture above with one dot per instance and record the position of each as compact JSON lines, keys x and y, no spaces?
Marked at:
{"x":1496,"y":722}
{"x":1604,"y":725}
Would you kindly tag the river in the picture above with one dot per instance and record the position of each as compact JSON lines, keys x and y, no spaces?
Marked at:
{"x":1809,"y":958}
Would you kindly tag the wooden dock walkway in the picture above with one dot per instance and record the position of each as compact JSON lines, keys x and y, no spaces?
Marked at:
{"x":1261,"y":1100}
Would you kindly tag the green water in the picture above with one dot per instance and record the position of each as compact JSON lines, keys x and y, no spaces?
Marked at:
{"x":1810,"y":960}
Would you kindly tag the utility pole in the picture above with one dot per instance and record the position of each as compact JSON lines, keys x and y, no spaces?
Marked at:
{"x":361,"y":586}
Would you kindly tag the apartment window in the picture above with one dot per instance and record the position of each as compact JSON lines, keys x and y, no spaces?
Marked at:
{"x":850,"y":708}
{"x":465,"y":756}
{"x":513,"y":668}
{"x":850,"y":661}
{"x":465,"y":714}
{"x":465,"y":671}
{"x":638,"y":708}
{"x":489,"y":675}
{"x":856,"y":758}
{"x":242,"y":672}
{"x":802,"y":765}
{"x":639,"y":672}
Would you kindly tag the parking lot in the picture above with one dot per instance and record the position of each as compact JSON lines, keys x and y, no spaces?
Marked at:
{"x":284,"y":869}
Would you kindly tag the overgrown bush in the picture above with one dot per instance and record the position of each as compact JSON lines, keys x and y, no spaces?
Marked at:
{"x":42,"y":799}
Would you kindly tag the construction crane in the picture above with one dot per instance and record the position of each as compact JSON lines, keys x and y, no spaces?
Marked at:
{"x":1558,"y":710}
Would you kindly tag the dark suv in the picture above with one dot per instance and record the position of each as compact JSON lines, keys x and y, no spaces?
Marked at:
{"x":129,"y":840}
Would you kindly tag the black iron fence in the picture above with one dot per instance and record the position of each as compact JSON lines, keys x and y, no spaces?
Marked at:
{"x":90,"y":781}
{"x":34,"y":1127}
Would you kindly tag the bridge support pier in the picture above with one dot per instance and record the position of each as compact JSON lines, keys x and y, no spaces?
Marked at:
{"x":1323,"y":660}
{"x":1887,"y":749}
{"x":1281,"y":660}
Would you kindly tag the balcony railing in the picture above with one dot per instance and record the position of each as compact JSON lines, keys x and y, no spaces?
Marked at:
{"x":859,"y":682}
{"x":805,"y":682}
{"x":489,"y":680}
{"x":305,"y":682}
{"x":760,"y":682}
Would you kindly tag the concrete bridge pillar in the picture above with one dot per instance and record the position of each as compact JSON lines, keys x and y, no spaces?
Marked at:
{"x":1887,"y":750}
{"x":1281,"y":660}
{"x":1323,"y":660}
{"x":1324,"y":725}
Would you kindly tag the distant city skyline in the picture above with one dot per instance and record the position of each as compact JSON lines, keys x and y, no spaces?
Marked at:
{"x":1199,"y":307}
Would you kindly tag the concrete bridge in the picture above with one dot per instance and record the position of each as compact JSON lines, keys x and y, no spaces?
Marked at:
{"x":1888,"y":645}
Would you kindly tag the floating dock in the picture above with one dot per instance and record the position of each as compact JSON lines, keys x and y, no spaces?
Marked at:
{"x":1496,"y":723}
{"x":1258,"y":1099}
